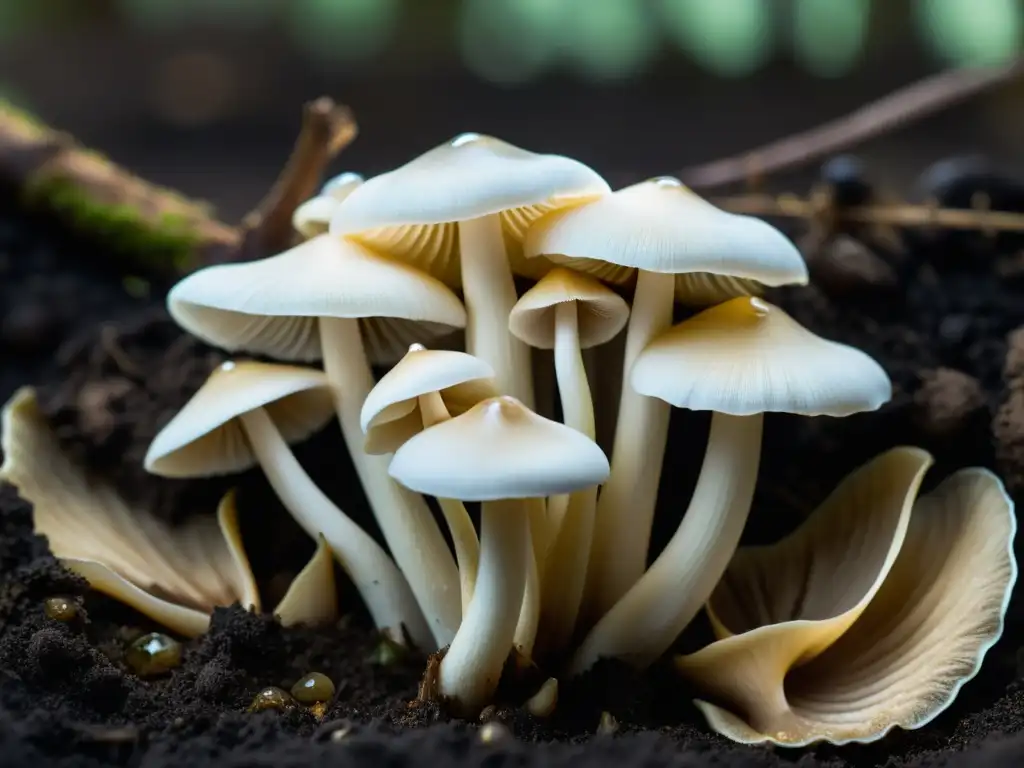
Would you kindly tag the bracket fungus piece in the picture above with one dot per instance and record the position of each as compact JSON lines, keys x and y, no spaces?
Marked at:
{"x":312,"y":597}
{"x":662,"y":233}
{"x":174,"y":575}
{"x":459,"y":212}
{"x":425,"y":388}
{"x":336,"y":299}
{"x":246,"y":414}
{"x":502,"y":454}
{"x":870,"y":616}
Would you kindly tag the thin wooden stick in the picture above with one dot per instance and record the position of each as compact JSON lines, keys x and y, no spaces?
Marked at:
{"x":899,"y":108}
{"x":895,"y":215}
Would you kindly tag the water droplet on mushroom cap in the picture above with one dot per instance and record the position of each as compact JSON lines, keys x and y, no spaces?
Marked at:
{"x":465,"y":138}
{"x":153,"y":654}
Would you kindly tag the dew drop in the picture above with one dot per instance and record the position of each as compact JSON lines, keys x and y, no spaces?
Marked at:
{"x":153,"y":654}
{"x":666,"y":181}
{"x":61,"y":608}
{"x":270,"y":698}
{"x":465,"y":138}
{"x":314,"y":688}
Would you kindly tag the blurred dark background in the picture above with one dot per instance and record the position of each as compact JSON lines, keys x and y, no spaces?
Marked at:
{"x":204,"y":95}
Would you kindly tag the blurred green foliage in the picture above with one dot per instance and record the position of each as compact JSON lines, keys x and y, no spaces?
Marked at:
{"x":513,"y":41}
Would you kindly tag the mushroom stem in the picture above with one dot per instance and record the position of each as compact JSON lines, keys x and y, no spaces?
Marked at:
{"x":625,"y":507}
{"x":490,"y":294}
{"x":383,"y":588}
{"x":405,"y":520}
{"x":525,"y":635}
{"x":604,"y":372}
{"x":460,"y":526}
{"x":472,"y":667}
{"x":645,"y":622}
{"x":570,"y":551}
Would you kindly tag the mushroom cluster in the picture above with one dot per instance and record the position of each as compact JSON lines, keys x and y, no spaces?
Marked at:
{"x":557,"y":570}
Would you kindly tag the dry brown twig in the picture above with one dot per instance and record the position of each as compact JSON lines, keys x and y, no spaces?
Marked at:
{"x":893,"y":215}
{"x":895,"y":110}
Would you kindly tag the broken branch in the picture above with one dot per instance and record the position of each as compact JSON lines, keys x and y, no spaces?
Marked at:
{"x":899,"y":108}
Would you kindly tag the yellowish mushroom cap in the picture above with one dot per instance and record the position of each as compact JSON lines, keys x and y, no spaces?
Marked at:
{"x":747,"y":356}
{"x":205,"y":437}
{"x":499,"y":449}
{"x":662,"y":226}
{"x":391,"y":413}
{"x":313,"y":217}
{"x":410,"y":212}
{"x":272,"y":306}
{"x":602,"y":313}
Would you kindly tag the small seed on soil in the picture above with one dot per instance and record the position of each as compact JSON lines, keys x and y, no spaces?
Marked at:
{"x":61,"y":608}
{"x":313,"y":688}
{"x":153,"y":654}
{"x":544,"y":701}
{"x":494,"y":733}
{"x":271,"y":698}
{"x":607,"y":725}
{"x":388,"y":653}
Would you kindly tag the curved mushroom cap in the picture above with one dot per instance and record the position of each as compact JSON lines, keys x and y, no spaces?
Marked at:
{"x":601,"y":313}
{"x":271,"y":306}
{"x":747,"y":356}
{"x":662,"y":226}
{"x":391,"y":413}
{"x":409,"y":213}
{"x":313,"y":217}
{"x":205,"y":437}
{"x":499,"y":449}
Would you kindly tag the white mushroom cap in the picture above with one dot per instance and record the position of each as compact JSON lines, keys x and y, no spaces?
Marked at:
{"x":313,"y":217}
{"x":271,"y":306}
{"x":662,"y":226}
{"x":205,"y":437}
{"x":747,"y":356}
{"x":408,"y":212}
{"x":499,"y":449}
{"x":391,"y":415}
{"x":602,"y":313}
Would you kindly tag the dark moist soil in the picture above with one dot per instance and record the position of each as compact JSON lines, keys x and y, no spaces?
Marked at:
{"x":938,"y":312}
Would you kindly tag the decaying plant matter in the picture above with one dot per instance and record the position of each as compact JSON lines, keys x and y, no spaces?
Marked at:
{"x":869,"y":617}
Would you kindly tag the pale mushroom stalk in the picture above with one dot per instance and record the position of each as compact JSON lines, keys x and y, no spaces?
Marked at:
{"x":645,"y":622}
{"x":404,"y":517}
{"x":460,"y":526}
{"x":386,"y":592}
{"x":567,"y":562}
{"x":525,"y":635}
{"x":490,"y":294}
{"x":625,"y":507}
{"x":473,"y":664}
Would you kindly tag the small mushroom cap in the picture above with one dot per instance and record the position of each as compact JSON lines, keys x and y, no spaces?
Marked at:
{"x":390,"y":414}
{"x":205,"y":437}
{"x":272,"y":306}
{"x":602,"y":313}
{"x":313,"y":217}
{"x":662,"y":226}
{"x":409,"y":212}
{"x":747,"y":356}
{"x":499,"y":449}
